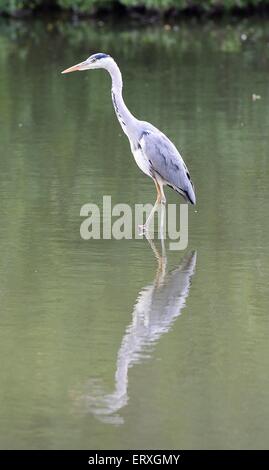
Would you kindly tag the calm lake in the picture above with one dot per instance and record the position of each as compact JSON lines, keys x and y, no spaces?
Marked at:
{"x":101,"y":346}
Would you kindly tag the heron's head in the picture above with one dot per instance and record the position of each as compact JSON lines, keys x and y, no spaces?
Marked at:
{"x":95,"y":61}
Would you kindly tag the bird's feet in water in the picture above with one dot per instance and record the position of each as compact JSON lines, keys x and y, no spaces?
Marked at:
{"x":143,"y":229}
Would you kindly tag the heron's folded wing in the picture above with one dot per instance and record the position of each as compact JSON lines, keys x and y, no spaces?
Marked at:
{"x":166,"y":161}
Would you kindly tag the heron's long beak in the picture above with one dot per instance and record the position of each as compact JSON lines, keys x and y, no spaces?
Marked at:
{"x":75,"y":68}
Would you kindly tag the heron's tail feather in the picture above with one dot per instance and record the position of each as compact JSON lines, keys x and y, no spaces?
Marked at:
{"x":189,"y":195}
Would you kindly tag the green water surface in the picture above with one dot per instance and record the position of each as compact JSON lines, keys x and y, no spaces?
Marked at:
{"x":101,"y":346}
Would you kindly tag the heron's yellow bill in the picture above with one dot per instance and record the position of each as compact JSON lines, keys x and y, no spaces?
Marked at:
{"x":75,"y":68}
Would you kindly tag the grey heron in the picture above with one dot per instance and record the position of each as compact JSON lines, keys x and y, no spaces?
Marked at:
{"x":154,"y":153}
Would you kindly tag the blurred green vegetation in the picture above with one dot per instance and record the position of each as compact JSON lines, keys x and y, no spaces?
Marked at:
{"x":12,"y":7}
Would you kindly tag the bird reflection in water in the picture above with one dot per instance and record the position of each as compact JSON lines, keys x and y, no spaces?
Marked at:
{"x":156,"y":309}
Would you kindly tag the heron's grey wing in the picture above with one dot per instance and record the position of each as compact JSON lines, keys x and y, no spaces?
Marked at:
{"x":166,"y":162}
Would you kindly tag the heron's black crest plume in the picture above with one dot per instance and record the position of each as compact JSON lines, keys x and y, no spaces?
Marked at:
{"x":98,"y":56}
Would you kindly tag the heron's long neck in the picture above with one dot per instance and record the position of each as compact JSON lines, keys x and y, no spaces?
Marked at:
{"x":125,"y":117}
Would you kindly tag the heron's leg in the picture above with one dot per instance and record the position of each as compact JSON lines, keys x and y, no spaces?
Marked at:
{"x":162,"y":225}
{"x":161,"y":195}
{"x":160,"y":192}
{"x":160,"y":199}
{"x":144,"y":228}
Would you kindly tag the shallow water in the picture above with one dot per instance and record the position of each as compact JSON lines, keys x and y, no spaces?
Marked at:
{"x":101,"y":345}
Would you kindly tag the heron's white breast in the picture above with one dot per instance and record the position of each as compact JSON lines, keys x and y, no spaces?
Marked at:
{"x":141,"y":161}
